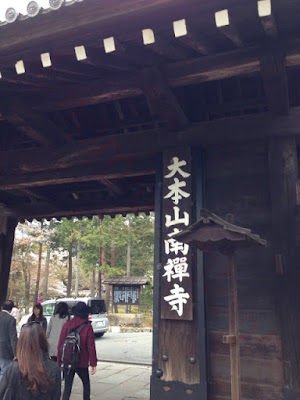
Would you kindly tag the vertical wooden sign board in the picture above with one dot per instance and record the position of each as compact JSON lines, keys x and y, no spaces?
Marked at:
{"x":176,"y":275}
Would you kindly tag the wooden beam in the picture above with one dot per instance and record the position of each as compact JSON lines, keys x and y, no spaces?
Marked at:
{"x":136,"y":144}
{"x":162,"y":100}
{"x":275,"y":80}
{"x":115,"y":86}
{"x":118,"y":206}
{"x":36,"y":126}
{"x":95,"y":172}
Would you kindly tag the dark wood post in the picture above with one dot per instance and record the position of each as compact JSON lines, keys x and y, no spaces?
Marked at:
{"x":233,"y":339}
{"x":179,"y":353}
{"x":7,"y":234}
{"x":283,"y":173}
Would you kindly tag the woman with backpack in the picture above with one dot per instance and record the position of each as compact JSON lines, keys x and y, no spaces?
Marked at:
{"x":77,"y":332}
{"x":33,"y":375}
{"x":59,"y":318}
{"x":38,"y":316}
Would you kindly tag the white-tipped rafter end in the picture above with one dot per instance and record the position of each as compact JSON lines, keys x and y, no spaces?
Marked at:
{"x":109,"y":45}
{"x":179,"y":28}
{"x":46,"y":60}
{"x":148,"y":36}
{"x":80,"y":53}
{"x":264,"y":8}
{"x":222,"y":18}
{"x":20,"y":67}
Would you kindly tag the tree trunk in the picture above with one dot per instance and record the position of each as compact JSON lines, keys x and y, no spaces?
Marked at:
{"x":69,"y":285}
{"x":37,"y":286}
{"x":47,"y":263}
{"x":93,"y":283}
{"x":107,"y":298}
{"x":99,"y":284}
{"x":77,"y":268}
{"x":27,"y":281}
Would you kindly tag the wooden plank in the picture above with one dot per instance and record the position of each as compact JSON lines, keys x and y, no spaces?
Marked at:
{"x":253,"y":371}
{"x":251,"y":321}
{"x":251,"y":345}
{"x":219,"y":388}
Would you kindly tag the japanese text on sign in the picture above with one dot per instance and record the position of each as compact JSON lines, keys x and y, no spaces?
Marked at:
{"x":176,"y":275}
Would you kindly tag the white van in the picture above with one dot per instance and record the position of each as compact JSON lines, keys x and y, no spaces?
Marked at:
{"x":98,"y":316}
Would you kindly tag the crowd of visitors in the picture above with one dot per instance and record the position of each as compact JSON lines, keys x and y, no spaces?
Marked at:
{"x":31,"y":366}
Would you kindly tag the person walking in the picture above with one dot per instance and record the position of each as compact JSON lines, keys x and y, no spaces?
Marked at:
{"x":59,"y":318}
{"x":33,"y":375}
{"x":87,"y":350}
{"x":8,"y":336}
{"x":15,"y":312}
{"x":38,"y":316}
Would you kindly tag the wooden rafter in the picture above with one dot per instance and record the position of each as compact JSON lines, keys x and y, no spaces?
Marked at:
{"x":227,"y":28}
{"x":196,"y":41}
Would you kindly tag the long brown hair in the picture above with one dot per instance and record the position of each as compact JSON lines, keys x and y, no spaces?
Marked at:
{"x":31,"y":346}
{"x":41,"y":315}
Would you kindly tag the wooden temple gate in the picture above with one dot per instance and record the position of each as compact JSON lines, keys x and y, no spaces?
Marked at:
{"x":98,"y":103}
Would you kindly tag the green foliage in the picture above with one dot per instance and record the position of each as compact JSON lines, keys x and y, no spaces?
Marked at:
{"x":102,"y":244}
{"x":147,"y":300}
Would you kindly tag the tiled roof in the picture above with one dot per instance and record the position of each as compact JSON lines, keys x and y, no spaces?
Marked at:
{"x":11,"y":10}
{"x":129,"y":280}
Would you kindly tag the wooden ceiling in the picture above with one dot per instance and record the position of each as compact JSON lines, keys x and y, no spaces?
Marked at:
{"x":82,"y":137}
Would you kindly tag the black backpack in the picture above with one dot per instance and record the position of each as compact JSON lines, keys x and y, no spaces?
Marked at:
{"x":70,"y":349}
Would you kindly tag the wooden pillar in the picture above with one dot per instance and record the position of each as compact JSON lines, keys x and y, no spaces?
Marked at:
{"x":234,"y":337}
{"x":7,"y":234}
{"x":179,"y":347}
{"x":283,"y":175}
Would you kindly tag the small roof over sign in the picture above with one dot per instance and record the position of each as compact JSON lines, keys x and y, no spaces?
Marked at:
{"x":129,"y":280}
{"x":212,"y":233}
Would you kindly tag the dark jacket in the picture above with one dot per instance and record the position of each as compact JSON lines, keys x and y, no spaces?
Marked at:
{"x":12,"y":383}
{"x":8,"y":336}
{"x":87,"y":342}
{"x":43,"y":321}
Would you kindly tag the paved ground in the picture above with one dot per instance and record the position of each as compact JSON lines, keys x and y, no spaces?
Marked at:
{"x":114,"y":381}
{"x":130,"y":347}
